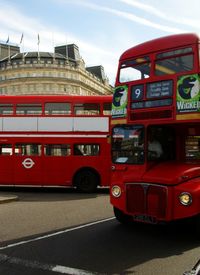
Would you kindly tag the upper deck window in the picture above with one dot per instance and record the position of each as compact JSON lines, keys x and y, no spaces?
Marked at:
{"x":135,"y":69}
{"x":176,"y":61}
{"x":106,"y":109}
{"x":58,"y":108}
{"x":87,"y":109}
{"x":28,"y":109}
{"x":6,"y":109}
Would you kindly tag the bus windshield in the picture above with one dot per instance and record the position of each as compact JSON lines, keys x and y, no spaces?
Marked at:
{"x":134,"y":69}
{"x":128,"y":144}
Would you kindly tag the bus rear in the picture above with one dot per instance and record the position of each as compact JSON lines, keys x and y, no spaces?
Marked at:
{"x":156,"y":132}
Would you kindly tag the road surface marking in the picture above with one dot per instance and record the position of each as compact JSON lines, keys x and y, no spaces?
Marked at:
{"x":45,"y":267}
{"x":55,"y":234}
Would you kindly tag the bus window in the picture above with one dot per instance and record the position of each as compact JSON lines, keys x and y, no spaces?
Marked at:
{"x":174,"y":62}
{"x":60,"y":108}
{"x":57,"y":150}
{"x":28,"y":109}
{"x":135,"y":69}
{"x":5,"y":149}
{"x":87,"y":109}
{"x":6,"y":109}
{"x":128,"y":144}
{"x":107,"y":109}
{"x":24,"y":149}
{"x":192,"y":148}
{"x":86,"y":149}
{"x":161,"y":143}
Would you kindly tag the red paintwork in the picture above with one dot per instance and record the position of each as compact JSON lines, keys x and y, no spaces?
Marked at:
{"x":171,"y":177}
{"x":171,"y":173}
{"x":160,"y":44}
{"x":53,"y":170}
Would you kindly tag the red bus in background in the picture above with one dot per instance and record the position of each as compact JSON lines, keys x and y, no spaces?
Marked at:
{"x":156,"y":132}
{"x":55,"y":141}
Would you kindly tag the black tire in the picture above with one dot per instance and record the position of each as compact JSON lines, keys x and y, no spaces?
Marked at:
{"x":86,"y":181}
{"x":121,"y":217}
{"x":197,"y":224}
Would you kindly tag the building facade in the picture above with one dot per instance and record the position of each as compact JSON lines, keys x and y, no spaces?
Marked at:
{"x":61,"y":72}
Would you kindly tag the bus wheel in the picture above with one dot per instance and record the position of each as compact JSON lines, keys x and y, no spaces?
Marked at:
{"x":86,"y":181}
{"x":197,"y":224}
{"x":121,"y":217}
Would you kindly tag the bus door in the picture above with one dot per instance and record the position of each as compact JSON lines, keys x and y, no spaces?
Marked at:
{"x":57,"y":164}
{"x":6,"y":164}
{"x":28,"y":164}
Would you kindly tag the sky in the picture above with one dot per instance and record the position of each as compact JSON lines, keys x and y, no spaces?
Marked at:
{"x":102,"y":29}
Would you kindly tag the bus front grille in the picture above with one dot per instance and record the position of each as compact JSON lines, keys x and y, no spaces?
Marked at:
{"x":146,"y":199}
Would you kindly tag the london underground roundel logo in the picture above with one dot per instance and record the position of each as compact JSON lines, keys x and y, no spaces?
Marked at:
{"x":28,"y":163}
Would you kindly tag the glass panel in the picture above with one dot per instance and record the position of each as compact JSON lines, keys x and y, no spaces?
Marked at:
{"x":192,"y":148}
{"x":57,"y":150}
{"x":161,"y":143}
{"x":86,"y":149}
{"x":5,"y":149}
{"x":6,"y":109}
{"x":87,"y":109}
{"x":28,"y":109}
{"x":61,"y":108}
{"x":128,"y":144}
{"x":107,"y":109}
{"x":137,"y":72}
{"x":174,"y":52}
{"x":28,"y":149}
{"x":174,"y":65}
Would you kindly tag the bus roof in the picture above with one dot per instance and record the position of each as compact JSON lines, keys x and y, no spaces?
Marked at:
{"x":160,"y":44}
{"x":54,"y":98}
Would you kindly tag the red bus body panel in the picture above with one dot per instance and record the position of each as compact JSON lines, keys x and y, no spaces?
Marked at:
{"x":150,"y":191}
{"x":71,"y":129}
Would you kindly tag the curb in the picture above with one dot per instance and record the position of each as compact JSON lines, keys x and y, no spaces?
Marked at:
{"x":5,"y":199}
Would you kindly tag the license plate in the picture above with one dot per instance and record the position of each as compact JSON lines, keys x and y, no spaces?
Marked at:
{"x":144,"y":218}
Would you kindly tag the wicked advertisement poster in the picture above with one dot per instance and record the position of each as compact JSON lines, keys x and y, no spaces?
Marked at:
{"x":119,"y":104}
{"x":188,"y":94}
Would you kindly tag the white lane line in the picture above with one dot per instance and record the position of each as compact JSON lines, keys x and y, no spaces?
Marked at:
{"x":55,"y":234}
{"x":42,"y":266}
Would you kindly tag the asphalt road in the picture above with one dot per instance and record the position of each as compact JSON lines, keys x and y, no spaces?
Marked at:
{"x":56,"y":232}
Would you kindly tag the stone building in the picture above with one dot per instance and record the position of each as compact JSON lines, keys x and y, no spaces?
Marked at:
{"x":60,"y":72}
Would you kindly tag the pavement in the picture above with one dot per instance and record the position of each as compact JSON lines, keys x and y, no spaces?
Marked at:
{"x":5,"y":199}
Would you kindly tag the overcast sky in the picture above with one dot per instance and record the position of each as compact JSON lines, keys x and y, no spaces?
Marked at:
{"x":102,"y":29}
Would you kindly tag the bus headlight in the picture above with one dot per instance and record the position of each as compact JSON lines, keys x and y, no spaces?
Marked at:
{"x":185,"y":198}
{"x":116,"y":191}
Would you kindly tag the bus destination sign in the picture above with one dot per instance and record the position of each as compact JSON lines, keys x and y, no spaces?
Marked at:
{"x":160,"y":89}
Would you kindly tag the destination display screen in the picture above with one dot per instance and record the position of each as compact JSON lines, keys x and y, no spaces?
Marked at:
{"x":151,"y":103}
{"x":160,"y":89}
{"x":158,"y":94}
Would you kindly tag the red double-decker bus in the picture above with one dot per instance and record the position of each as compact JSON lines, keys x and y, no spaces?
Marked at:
{"x":156,"y":131}
{"x":55,"y":141}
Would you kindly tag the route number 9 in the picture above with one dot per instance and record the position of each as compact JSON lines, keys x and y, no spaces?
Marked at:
{"x":137,"y":92}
